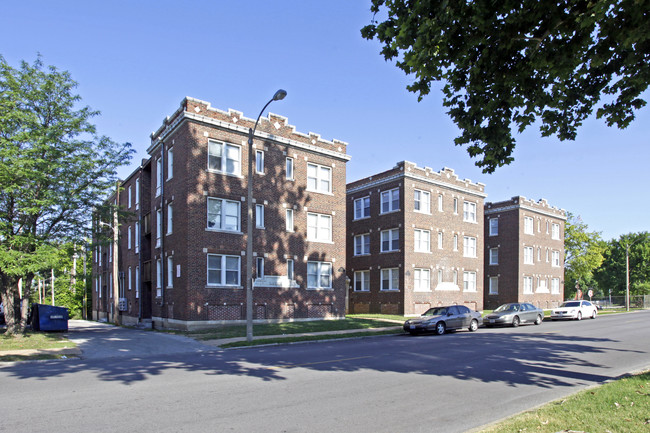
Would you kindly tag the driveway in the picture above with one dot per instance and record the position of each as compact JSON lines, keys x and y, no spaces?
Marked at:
{"x":101,"y":340}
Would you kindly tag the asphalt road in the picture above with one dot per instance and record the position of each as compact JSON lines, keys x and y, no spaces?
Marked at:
{"x":451,"y":383}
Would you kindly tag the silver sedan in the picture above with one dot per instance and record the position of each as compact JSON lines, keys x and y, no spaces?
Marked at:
{"x":514,"y":314}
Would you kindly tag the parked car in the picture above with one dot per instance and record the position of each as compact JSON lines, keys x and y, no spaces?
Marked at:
{"x":574,"y":310}
{"x":514,"y":314}
{"x":442,"y":319}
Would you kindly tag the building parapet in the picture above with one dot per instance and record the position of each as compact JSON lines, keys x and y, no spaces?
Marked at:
{"x":520,"y":202}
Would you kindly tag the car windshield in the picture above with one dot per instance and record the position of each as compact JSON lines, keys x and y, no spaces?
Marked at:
{"x":571,"y":304}
{"x":438,"y":311}
{"x":507,"y":307}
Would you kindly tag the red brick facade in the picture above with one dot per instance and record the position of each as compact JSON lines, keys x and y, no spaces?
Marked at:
{"x":193,"y":223}
{"x":524,"y":253}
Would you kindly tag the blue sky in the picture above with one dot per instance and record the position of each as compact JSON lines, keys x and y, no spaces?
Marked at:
{"x":136,"y":60}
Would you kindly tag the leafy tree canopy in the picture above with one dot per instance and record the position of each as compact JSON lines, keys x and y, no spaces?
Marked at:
{"x":583,"y":253}
{"x":507,"y":64}
{"x":612,"y":273}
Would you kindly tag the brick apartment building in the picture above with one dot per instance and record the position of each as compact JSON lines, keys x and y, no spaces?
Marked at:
{"x":180,"y":251}
{"x":524,"y":253}
{"x":415,"y":240}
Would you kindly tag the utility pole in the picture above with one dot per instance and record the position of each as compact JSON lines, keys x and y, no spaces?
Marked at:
{"x":52,"y":286}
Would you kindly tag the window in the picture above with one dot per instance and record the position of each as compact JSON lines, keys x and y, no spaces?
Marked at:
{"x":223,"y":270}
{"x":528,"y":255}
{"x":546,"y":255}
{"x":289,"y":169}
{"x":390,"y":200}
{"x":421,"y":280}
{"x":555,"y":286}
{"x":319,"y":178}
{"x":539,"y":254}
{"x":259,"y":263}
{"x":137,"y":282}
{"x":159,"y":217}
{"x":362,"y":281}
{"x":390,"y":279}
{"x":128,"y":238}
{"x":223,"y":214}
{"x":455,"y":242}
{"x":440,"y":202}
{"x":362,"y":245}
{"x":494,"y":256}
{"x":137,"y":237}
{"x":319,"y":227}
{"x":137,"y":193}
{"x":469,"y":281}
{"x":455,"y":206}
{"x":494,"y":285}
{"x":422,"y":201}
{"x":259,"y":162}
{"x":170,"y":163}
{"x":110,"y":252}
{"x":555,"y":259}
{"x":469,"y":246}
{"x":469,"y":212}
{"x":224,"y":157}
{"x":528,"y":285}
{"x":546,"y":227}
{"x":528,"y":225}
{"x":542,"y":285}
{"x":170,"y":272}
{"x":494,"y":226}
{"x":319,"y":275}
{"x":555,"y":231}
{"x":421,"y":241}
{"x":290,"y":271}
{"x":129,"y":278}
{"x":159,"y":174}
{"x":159,"y":276}
{"x":129,"y":196}
{"x":362,"y":208}
{"x":170,"y":218}
{"x":454,"y":277}
{"x":440,"y":239}
{"x":289,"y":220}
{"x":390,"y":240}
{"x":440,"y":276}
{"x":259,"y":216}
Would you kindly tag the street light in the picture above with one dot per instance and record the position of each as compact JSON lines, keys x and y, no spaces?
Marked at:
{"x":279,"y":95}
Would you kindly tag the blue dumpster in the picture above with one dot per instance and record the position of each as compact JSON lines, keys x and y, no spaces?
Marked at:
{"x":49,"y":318}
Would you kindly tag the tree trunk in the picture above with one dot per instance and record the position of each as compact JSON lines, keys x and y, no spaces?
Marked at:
{"x":10,"y":300}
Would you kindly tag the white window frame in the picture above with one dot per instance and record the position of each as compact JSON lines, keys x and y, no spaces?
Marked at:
{"x":159,"y":277}
{"x":170,"y":272}
{"x":259,"y":216}
{"x":137,"y":237}
{"x":319,"y":227}
{"x":441,"y":237}
{"x":528,"y":285}
{"x":494,"y":256}
{"x":319,"y":178}
{"x":137,"y":282}
{"x":555,"y":286}
{"x":289,"y":169}
{"x":362,"y":244}
{"x":469,"y":211}
{"x":362,"y":208}
{"x":159,"y":175}
{"x":290,"y":269}
{"x":390,"y":236}
{"x":529,"y":228}
{"x":421,"y":201}
{"x":455,"y":242}
{"x":421,"y":280}
{"x":390,"y":200}
{"x":469,"y":246}
{"x":393,"y":275}
{"x":555,"y":259}
{"x":320,"y":272}
{"x":469,"y":281}
{"x":555,"y":231}
{"x":129,"y":201}
{"x":226,"y":157}
{"x":128,"y":238}
{"x":259,"y":161}
{"x":170,"y":163}
{"x":137,"y":193}
{"x":362,"y":281}
{"x":528,"y":255}
{"x":170,"y":219}
{"x":159,"y":222}
{"x":455,"y":206}
{"x":493,"y":286}
{"x":223,"y":270}
{"x":421,"y":241}
{"x":289,"y":225}
{"x":222,"y":226}
{"x":259,"y":266}
{"x":494,"y":226}
{"x":440,"y":208}
{"x":129,"y":278}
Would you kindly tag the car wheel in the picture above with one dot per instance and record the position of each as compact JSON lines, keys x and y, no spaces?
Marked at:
{"x":579,"y":315}
{"x":593,"y":314}
{"x":515,"y":321}
{"x":473,"y":325}
{"x":539,"y":320}
{"x":441,"y":328}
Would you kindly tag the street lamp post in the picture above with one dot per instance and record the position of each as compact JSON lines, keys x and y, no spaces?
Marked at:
{"x":279,"y":95}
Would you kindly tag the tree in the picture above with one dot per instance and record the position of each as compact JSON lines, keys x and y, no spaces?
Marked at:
{"x":54,"y":169}
{"x":583,"y":253}
{"x":508,"y":64}
{"x":612,"y":274}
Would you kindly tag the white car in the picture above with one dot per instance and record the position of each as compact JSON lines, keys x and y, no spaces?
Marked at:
{"x":574,"y":310}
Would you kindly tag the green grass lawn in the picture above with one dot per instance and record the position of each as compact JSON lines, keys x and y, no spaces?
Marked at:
{"x":620,"y":406}
{"x":32,"y":340}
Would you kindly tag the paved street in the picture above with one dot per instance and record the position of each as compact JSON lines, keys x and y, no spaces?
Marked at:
{"x":450,"y":383}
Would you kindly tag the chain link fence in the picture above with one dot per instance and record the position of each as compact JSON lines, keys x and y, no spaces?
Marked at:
{"x":637,"y":301}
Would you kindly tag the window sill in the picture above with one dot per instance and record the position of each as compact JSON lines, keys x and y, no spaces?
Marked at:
{"x":239,"y":176}
{"x":234,"y":232}
{"x":390,"y":251}
{"x":389,"y":290}
{"x":320,"y":288}
{"x":217,"y":286}
{"x":389,"y":212}
{"x":361,"y":218}
{"x":320,"y":192}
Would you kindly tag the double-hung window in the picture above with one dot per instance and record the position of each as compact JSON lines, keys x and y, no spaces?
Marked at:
{"x":129,"y":196}
{"x":170,"y":163}
{"x":362,"y":244}
{"x":422,"y":201}
{"x":362,"y":208}
{"x":421,"y":280}
{"x":494,"y":256}
{"x":319,"y":178}
{"x":555,"y":258}
{"x":440,"y":240}
{"x":390,"y":240}
{"x":290,"y":269}
{"x":555,"y":286}
{"x":170,"y":218}
{"x":362,"y":281}
{"x":528,"y":255}
{"x":528,"y":226}
{"x":159,"y":176}
{"x":390,"y":279}
{"x":422,"y":243}
{"x":224,"y":157}
{"x":469,"y":281}
{"x":170,"y":272}
{"x":259,"y":216}
{"x":223,"y":214}
{"x":439,"y":202}
{"x":469,"y":212}
{"x":259,"y":162}
{"x":319,"y":227}
{"x":128,"y":240}
{"x":555,"y":231}
{"x":494,"y":286}
{"x":260,"y":267}
{"x":319,"y":275}
{"x":223,"y":270}
{"x":159,"y":224}
{"x":469,"y":246}
{"x":137,"y":237}
{"x":494,"y":226}
{"x":390,"y":200}
{"x":289,"y":220}
{"x":289,"y":169}
{"x":528,"y":285}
